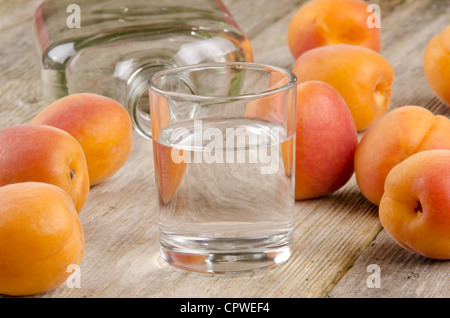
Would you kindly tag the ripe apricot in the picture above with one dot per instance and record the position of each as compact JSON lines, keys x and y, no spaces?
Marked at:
{"x":394,"y":137}
{"x":44,"y":154}
{"x":101,"y":125}
{"x":436,"y":63}
{"x":272,"y":108}
{"x":168,"y":172}
{"x":327,"y":22}
{"x":361,"y":76}
{"x":40,"y":236}
{"x":325,"y":143}
{"x":415,"y":207}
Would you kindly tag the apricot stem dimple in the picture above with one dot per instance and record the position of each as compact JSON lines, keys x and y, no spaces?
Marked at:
{"x":72,"y":174}
{"x":381,"y":95}
{"x":418,"y":208}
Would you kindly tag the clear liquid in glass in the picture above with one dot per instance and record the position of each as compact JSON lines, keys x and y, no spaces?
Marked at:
{"x":234,"y":204}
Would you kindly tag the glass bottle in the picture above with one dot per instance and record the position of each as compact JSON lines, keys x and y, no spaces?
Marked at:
{"x":112,"y":47}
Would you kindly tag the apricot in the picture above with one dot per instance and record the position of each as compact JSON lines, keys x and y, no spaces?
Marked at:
{"x":436,"y":63}
{"x":101,"y":125}
{"x":40,"y":236}
{"x":326,"y":141}
{"x":190,"y":261}
{"x":278,"y":108}
{"x":394,"y":137}
{"x":415,"y":207}
{"x":327,"y":22}
{"x":360,"y":75}
{"x":168,"y":172}
{"x":44,"y":154}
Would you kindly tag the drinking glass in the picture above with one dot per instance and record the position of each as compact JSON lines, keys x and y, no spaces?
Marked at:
{"x":223,"y":139}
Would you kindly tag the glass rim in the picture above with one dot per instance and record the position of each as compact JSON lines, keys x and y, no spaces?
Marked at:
{"x":244,"y":65}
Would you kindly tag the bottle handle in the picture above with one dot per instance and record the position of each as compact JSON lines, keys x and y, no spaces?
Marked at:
{"x":137,"y":101}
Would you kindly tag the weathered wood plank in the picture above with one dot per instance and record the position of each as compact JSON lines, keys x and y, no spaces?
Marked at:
{"x":401,"y":274}
{"x":260,"y":15}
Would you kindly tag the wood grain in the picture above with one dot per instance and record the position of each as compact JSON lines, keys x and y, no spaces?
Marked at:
{"x":335,"y":237}
{"x":402,"y":274}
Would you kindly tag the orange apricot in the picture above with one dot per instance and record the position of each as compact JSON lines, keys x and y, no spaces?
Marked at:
{"x":44,"y":154}
{"x":415,"y":207}
{"x":40,"y":236}
{"x":327,"y":22}
{"x":168,"y":172}
{"x":436,"y":63}
{"x":391,"y":139}
{"x":101,"y":125}
{"x":361,"y":76}
{"x":272,"y":108}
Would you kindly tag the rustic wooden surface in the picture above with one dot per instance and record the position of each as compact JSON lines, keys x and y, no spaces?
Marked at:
{"x":336,"y":237}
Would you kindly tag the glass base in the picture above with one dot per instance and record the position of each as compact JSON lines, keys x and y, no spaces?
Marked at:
{"x":220,"y":261}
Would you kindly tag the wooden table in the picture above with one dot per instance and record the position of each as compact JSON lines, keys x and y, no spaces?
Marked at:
{"x":337,"y":237}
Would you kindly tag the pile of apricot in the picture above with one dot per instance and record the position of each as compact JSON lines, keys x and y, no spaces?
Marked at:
{"x":402,"y":162}
{"x":47,"y":168}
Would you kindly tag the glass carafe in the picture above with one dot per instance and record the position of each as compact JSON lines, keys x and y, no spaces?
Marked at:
{"x":112,"y":47}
